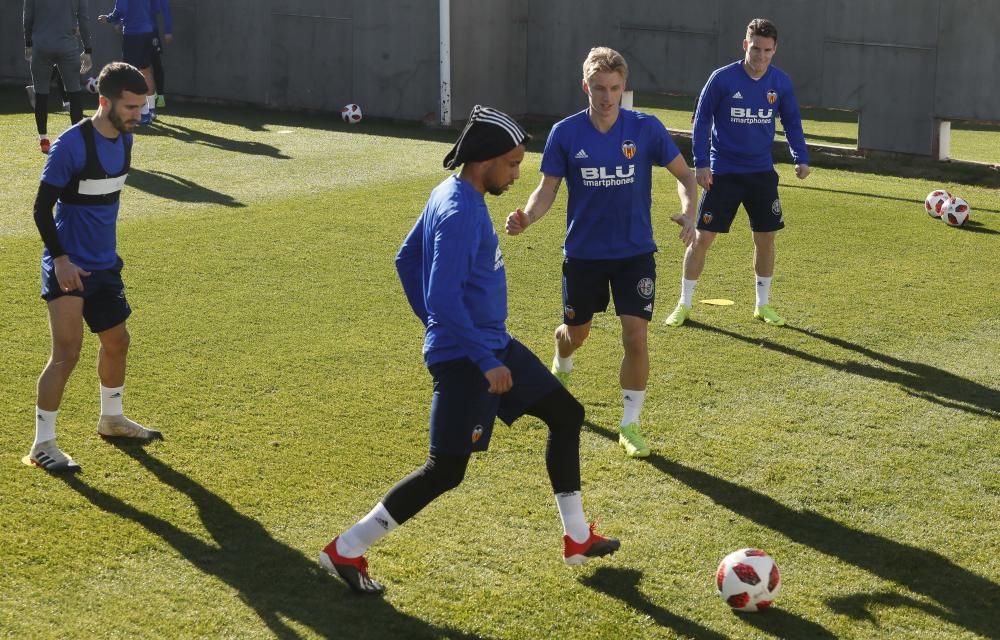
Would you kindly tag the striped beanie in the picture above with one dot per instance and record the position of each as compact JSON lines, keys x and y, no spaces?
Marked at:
{"x":489,"y":133}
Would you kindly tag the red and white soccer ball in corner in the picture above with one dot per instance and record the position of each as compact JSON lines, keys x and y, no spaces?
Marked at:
{"x":955,"y":212}
{"x":351,"y":114}
{"x":748,"y":580}
{"x":935,"y":201}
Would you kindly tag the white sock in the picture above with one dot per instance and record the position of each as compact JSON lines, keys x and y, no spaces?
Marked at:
{"x":45,"y":425}
{"x":564,"y":365}
{"x":43,"y":136}
{"x":571,"y":511}
{"x":145,"y":108}
{"x":763,"y":290}
{"x":356,"y":540}
{"x":687,"y":291}
{"x":150,"y":102}
{"x":633,"y":405}
{"x":111,"y":401}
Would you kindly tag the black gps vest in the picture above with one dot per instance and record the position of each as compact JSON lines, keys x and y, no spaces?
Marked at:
{"x":94,"y":185}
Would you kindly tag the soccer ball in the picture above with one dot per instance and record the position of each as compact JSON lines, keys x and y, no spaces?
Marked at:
{"x":351,"y":114}
{"x":91,"y":85}
{"x":748,"y":580}
{"x":934,"y":201}
{"x":955,"y":212}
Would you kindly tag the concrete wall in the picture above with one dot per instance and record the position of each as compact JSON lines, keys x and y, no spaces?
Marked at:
{"x":314,"y":54}
{"x":902,"y":64}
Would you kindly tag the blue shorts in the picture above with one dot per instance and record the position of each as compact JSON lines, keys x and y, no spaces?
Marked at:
{"x":588,"y":286}
{"x":757,"y":192}
{"x":463,"y":410}
{"x":104,"y":303}
{"x":137,"y":49}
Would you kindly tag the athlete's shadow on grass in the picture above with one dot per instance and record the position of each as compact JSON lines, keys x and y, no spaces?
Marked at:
{"x":275,"y":580}
{"x":919,"y":380}
{"x":974,"y":226}
{"x":623,"y":584}
{"x":176,"y":188}
{"x":962,"y":597}
{"x":194,"y":136}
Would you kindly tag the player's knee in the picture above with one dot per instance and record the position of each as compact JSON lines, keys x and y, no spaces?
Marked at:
{"x":567,"y":414}
{"x":574,"y":413}
{"x":445,"y":472}
{"x":702,"y":241}
{"x":65,"y":354}
{"x":117,"y":344}
{"x":634,"y":342}
{"x":576,"y":336}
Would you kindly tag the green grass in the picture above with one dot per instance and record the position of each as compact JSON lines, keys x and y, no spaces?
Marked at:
{"x":832,"y":127}
{"x":271,"y":343}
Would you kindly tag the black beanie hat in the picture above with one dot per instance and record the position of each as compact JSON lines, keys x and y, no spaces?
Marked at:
{"x":488,"y":134}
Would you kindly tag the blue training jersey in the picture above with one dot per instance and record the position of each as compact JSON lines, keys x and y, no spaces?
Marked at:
{"x":454,"y":277}
{"x":139,"y":16}
{"x":609,"y":177}
{"x":86,"y":232}
{"x":737,"y":115}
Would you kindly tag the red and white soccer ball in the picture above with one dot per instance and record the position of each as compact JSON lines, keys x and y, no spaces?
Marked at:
{"x":955,"y":212}
{"x":351,"y":114}
{"x":935,"y":201}
{"x":748,"y":580}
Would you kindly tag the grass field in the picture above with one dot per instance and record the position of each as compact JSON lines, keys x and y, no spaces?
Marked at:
{"x":272,"y":345}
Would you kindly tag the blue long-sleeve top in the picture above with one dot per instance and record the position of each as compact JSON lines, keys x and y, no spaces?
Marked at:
{"x":736,"y":118}
{"x":453,"y":275}
{"x":139,"y":16}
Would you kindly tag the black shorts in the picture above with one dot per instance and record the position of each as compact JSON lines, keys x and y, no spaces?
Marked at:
{"x":104,"y":303}
{"x":463,"y":411}
{"x":137,"y":49}
{"x":757,"y":192}
{"x":588,"y":286}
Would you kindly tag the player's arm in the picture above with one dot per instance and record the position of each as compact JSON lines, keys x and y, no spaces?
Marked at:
{"x":29,"y":24}
{"x":83,"y":22}
{"x":63,"y":162}
{"x":687,"y":191}
{"x":539,"y":203}
{"x":701,"y":133}
{"x":791,"y":122}
{"x":409,"y":266}
{"x":117,"y":15}
{"x":68,"y":274}
{"x":456,"y":240}
{"x":168,"y":20}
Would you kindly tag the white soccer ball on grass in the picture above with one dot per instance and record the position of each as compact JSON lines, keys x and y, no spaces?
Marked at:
{"x":934,"y":201}
{"x":748,"y":580}
{"x":351,"y":114}
{"x":955,"y":212}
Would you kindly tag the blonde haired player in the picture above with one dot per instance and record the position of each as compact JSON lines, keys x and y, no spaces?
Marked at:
{"x":606,"y":154}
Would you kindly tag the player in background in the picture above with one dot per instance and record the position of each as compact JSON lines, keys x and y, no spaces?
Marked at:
{"x":159,"y":75}
{"x":139,"y":30}
{"x":454,"y":277}
{"x":51,"y":29}
{"x":606,"y":154}
{"x":732,"y":138}
{"x":81,"y":271}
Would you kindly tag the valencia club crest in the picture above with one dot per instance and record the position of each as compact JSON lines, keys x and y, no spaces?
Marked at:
{"x":628,"y":148}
